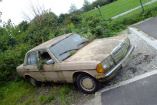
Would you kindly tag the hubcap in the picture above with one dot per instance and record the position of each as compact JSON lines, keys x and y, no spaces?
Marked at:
{"x":87,"y":84}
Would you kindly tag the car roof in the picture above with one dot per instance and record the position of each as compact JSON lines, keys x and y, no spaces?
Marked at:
{"x":51,"y":42}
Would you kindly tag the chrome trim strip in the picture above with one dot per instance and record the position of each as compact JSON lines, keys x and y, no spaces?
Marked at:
{"x":114,"y":69}
{"x":56,"y":70}
{"x":118,"y":47}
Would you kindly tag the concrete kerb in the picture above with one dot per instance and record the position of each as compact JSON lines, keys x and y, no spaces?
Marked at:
{"x":98,"y":94}
{"x":150,"y":40}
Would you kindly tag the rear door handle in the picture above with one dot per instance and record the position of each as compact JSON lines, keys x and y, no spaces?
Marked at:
{"x":27,"y":69}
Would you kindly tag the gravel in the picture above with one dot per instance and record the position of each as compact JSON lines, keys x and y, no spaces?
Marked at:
{"x":143,"y":59}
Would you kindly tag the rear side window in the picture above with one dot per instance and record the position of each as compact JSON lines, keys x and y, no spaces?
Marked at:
{"x":32,"y":58}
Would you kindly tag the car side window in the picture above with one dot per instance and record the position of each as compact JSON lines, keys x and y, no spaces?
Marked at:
{"x":44,"y":55}
{"x":32,"y":58}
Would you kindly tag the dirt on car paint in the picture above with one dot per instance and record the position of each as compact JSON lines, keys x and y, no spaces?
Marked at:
{"x":143,"y":60}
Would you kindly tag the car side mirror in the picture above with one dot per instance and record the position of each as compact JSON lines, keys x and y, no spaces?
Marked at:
{"x":50,"y":62}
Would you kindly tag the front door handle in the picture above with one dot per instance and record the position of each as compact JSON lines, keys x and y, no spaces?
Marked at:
{"x":27,"y":69}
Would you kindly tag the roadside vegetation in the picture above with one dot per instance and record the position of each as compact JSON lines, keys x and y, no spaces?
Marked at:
{"x":15,"y":41}
{"x":138,"y":15}
{"x":23,"y":93}
{"x":114,"y":8}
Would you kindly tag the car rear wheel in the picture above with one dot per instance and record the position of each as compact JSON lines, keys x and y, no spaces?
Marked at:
{"x":34,"y":82}
{"x":87,"y":83}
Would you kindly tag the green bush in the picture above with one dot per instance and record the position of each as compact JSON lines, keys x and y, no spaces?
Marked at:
{"x":10,"y":59}
{"x":98,"y":31}
{"x":75,"y":19}
{"x":1,"y":95}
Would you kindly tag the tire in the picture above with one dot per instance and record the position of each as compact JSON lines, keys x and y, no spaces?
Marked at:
{"x":34,"y":82}
{"x":87,"y":83}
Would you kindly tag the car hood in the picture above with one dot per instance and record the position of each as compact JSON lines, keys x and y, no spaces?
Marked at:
{"x":97,"y":50}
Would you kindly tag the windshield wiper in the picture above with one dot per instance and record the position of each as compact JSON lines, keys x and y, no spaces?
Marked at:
{"x":82,"y":43}
{"x":68,"y":51}
{"x":66,"y":57}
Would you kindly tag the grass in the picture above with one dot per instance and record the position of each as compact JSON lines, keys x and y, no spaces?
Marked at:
{"x":23,"y":93}
{"x":115,"y":8}
{"x":46,"y":98}
{"x":137,"y":15}
{"x":14,"y":92}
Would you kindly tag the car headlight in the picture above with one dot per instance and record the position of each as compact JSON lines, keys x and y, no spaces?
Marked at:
{"x":105,"y":65}
{"x":127,"y":42}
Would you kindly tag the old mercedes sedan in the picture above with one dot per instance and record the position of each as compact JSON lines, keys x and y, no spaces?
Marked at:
{"x":71,"y":58}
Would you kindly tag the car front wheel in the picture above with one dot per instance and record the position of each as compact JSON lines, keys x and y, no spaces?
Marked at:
{"x":87,"y":83}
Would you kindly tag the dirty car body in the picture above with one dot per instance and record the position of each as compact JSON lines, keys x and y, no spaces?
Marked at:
{"x":71,"y":58}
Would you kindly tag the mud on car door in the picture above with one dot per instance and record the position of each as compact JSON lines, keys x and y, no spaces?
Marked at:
{"x":50,"y":70}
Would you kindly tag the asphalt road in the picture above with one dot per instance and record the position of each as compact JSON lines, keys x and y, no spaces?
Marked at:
{"x":149,"y":27}
{"x":141,"y":92}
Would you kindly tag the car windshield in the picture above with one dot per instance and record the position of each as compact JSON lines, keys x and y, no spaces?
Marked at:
{"x":64,"y":48}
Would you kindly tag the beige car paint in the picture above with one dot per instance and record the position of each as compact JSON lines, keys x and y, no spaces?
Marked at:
{"x":84,"y":60}
{"x":97,"y":50}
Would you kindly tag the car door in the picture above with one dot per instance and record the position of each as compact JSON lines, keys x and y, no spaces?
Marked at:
{"x":31,"y":66}
{"x":51,"y":70}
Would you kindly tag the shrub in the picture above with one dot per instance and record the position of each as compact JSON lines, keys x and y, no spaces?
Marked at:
{"x":10,"y":59}
{"x":98,"y":31}
{"x":1,"y":95}
{"x":75,"y":19}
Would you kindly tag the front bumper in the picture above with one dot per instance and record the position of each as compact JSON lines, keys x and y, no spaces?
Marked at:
{"x":113,"y":71}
